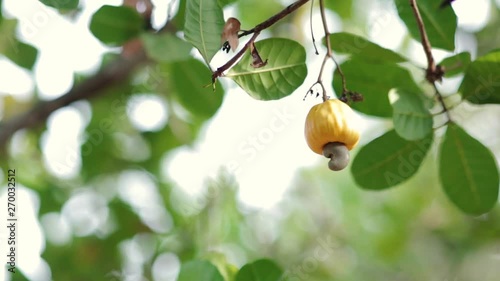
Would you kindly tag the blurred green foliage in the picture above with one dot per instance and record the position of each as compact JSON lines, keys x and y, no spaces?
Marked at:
{"x":325,"y":228}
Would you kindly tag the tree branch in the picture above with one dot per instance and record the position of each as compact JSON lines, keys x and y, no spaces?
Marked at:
{"x":234,"y":59}
{"x":111,"y":75}
{"x":256,"y":31}
{"x":433,"y":73}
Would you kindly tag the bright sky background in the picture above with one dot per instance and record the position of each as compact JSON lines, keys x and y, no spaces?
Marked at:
{"x":264,"y":139}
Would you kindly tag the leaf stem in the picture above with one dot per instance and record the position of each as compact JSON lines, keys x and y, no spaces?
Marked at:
{"x":441,"y":101}
{"x":256,"y":31}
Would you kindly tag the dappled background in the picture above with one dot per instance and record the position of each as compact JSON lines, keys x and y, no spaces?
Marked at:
{"x":155,"y":171}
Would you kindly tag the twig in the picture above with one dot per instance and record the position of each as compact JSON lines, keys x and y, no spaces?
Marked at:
{"x":441,"y":101}
{"x":320,"y":81}
{"x":433,"y":73}
{"x":311,"y":26}
{"x":256,"y":31}
{"x":325,"y":28}
{"x":328,"y":55}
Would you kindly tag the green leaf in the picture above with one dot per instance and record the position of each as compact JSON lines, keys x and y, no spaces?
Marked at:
{"x":455,"y":64}
{"x":285,"y":70}
{"x":343,"y":42}
{"x":373,"y":81}
{"x":61,"y":4}
{"x":180,"y":17}
{"x":412,"y":121}
{"x":7,"y":34}
{"x":166,"y":47}
{"x":260,"y":270}
{"x":116,"y":25}
{"x":188,"y":79}
{"x":468,"y":172}
{"x":203,"y":26}
{"x":342,"y":8}
{"x":18,"y":52}
{"x":198,"y":270}
{"x":481,"y":83}
{"x":22,"y":54}
{"x":388,"y":160}
{"x":440,"y":24}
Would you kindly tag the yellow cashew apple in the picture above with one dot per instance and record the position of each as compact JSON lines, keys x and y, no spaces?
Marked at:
{"x":331,"y":129}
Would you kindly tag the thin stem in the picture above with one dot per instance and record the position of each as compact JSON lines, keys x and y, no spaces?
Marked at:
{"x":325,"y":28}
{"x":311,"y":26}
{"x":448,"y":107}
{"x":256,"y":31}
{"x":320,"y":79}
{"x":441,"y":101}
{"x":342,"y":76}
{"x":329,"y":49}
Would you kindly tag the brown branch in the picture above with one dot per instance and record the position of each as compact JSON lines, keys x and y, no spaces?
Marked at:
{"x":433,"y":73}
{"x":111,"y":75}
{"x":234,"y":59}
{"x":256,"y":31}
